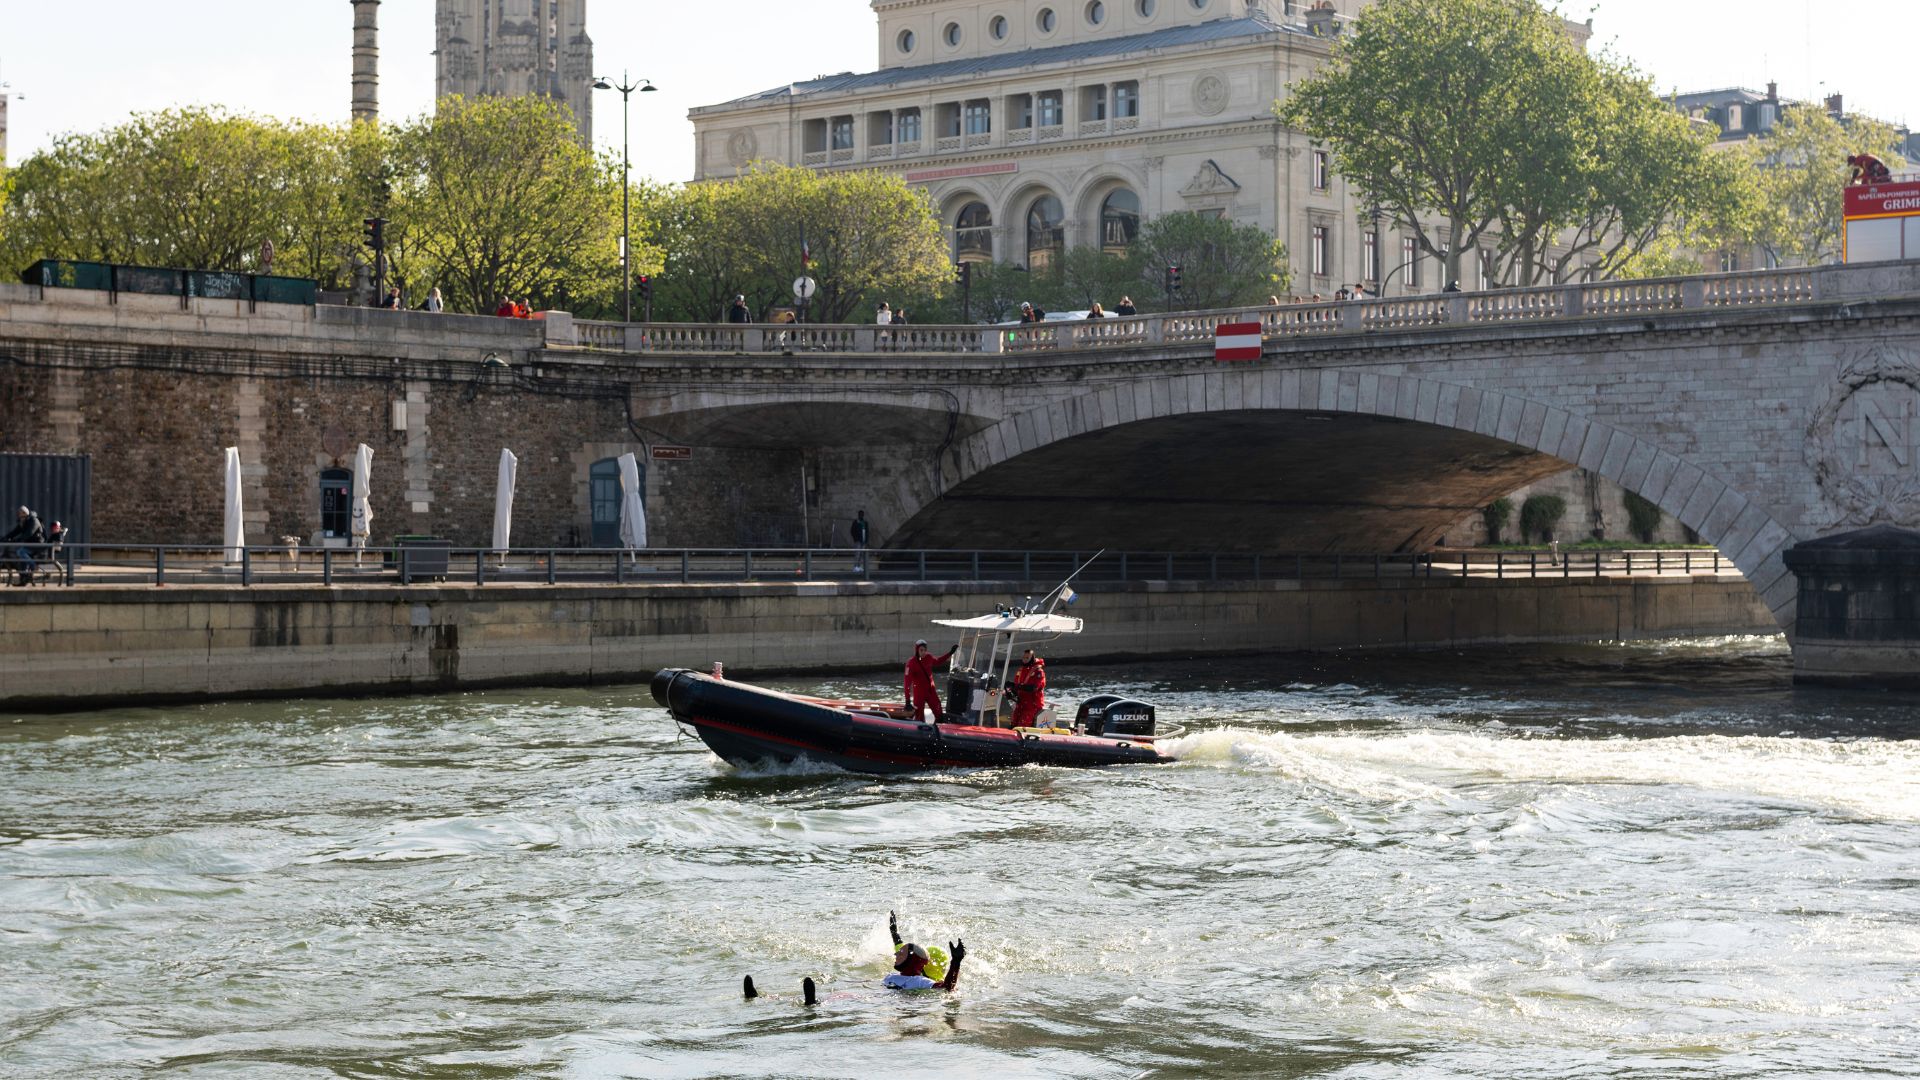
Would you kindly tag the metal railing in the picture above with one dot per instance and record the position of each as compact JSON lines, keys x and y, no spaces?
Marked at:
{"x":132,"y":564}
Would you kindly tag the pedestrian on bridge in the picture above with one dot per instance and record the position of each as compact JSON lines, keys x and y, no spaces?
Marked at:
{"x":738,"y":312}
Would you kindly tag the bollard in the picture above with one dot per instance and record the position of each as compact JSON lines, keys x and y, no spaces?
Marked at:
{"x":326,"y":566}
{"x":550,"y":570}
{"x":686,"y":568}
{"x":976,"y":565}
{"x":479,"y":568}
{"x":159,"y":566}
{"x":246,"y":566}
{"x":406,"y":566}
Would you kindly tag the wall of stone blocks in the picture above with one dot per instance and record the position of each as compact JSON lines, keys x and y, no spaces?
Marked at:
{"x":104,"y":646}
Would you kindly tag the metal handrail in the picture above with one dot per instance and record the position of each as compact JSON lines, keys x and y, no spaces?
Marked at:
{"x":96,"y":563}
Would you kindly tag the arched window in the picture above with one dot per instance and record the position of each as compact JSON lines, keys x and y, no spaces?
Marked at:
{"x":973,"y":234}
{"x":1046,"y":232}
{"x":336,"y":502}
{"x":1119,"y":221}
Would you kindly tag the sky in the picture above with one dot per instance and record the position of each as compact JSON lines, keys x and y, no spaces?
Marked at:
{"x":82,"y":65}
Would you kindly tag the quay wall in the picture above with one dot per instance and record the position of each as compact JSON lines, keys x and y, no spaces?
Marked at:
{"x":62,"y":649}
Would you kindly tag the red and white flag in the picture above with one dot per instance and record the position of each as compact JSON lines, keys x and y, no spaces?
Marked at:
{"x":1236,"y":341}
{"x":806,"y":254}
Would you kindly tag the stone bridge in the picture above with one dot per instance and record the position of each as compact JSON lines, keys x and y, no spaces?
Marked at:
{"x":1759,"y":409}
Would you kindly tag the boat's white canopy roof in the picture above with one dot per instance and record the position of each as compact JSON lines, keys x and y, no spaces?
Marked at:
{"x":1022,"y":624}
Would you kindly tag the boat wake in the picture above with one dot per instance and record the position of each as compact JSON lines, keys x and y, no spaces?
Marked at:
{"x":1872,"y":779}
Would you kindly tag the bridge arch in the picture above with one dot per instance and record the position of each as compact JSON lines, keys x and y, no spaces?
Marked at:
{"x":1493,"y":441}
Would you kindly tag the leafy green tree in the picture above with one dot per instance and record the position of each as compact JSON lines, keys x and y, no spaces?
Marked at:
{"x":1222,"y":263}
{"x":1643,"y":517}
{"x":1495,"y":516}
{"x":872,"y":238}
{"x":1801,"y":171}
{"x":1540,"y":514}
{"x":495,"y":196}
{"x":1451,"y":109}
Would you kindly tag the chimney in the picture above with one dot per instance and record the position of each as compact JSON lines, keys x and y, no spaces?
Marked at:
{"x":1835,"y":106}
{"x":366,"y":59}
{"x":1773,"y":91}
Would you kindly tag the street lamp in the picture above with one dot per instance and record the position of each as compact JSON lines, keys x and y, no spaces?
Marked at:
{"x":626,"y":187}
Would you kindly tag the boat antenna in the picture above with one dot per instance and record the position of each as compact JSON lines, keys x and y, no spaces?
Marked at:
{"x":1060,"y":590}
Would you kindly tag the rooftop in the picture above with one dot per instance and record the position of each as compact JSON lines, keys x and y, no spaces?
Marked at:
{"x":1171,"y":37}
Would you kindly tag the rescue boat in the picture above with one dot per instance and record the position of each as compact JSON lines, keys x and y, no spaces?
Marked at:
{"x":750,"y":725}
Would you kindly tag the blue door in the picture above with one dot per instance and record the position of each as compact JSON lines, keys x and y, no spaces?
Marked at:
{"x":603,"y":486}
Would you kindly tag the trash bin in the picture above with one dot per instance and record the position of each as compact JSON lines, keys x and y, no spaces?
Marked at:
{"x":426,"y":556}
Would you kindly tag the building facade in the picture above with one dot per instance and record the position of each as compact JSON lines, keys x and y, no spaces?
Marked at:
{"x":3,"y":129}
{"x":1036,"y":125}
{"x":515,"y":47}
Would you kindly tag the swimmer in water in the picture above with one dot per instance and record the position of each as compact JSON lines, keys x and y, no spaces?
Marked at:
{"x":909,"y":968}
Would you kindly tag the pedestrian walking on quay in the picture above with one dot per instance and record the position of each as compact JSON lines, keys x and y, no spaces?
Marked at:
{"x":27,"y":534}
{"x":859,"y":532}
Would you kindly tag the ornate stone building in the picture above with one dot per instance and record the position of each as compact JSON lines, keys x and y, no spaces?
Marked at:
{"x":515,"y":47}
{"x":1038,"y":124}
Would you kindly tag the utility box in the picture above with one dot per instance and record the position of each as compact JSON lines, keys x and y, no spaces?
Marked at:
{"x":58,"y":487}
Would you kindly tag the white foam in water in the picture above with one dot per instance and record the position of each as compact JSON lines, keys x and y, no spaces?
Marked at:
{"x":1875,"y":779}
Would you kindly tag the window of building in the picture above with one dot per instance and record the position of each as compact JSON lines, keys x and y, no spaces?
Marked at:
{"x":951,"y":35}
{"x":1049,"y":108}
{"x":1146,"y":8}
{"x":880,"y":128}
{"x":336,"y":502}
{"x":905,"y":42}
{"x":1318,"y":251}
{"x":1096,"y":12}
{"x":973,"y":234}
{"x":1736,"y":117}
{"x":1554,"y":263}
{"x":1201,"y":5}
{"x":1093,"y":103}
{"x":979,"y":116}
{"x":947,"y":120}
{"x":1486,"y":269}
{"x":1119,"y":221}
{"x":1045,"y":20}
{"x":1019,"y":111}
{"x":1319,"y":170}
{"x":1410,"y":258}
{"x":1126,"y":100}
{"x":998,"y":27}
{"x":1729,"y":262}
{"x":907,"y":127}
{"x":1370,"y":256}
{"x":841,"y":128}
{"x":1046,"y":232}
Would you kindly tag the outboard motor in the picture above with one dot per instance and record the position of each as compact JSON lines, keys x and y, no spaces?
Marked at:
{"x":1114,"y":717}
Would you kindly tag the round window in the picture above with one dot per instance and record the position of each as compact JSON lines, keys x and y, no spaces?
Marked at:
{"x":1096,"y":12}
{"x":1045,"y":21}
{"x":998,"y":28}
{"x":951,"y":34}
{"x":1145,"y":8}
{"x":1201,"y":5}
{"x":906,"y":41}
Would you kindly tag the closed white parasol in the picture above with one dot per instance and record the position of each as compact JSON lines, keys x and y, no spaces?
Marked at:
{"x":362,"y":524}
{"x":633,"y":514}
{"x":234,"y":535}
{"x":503,"y":501}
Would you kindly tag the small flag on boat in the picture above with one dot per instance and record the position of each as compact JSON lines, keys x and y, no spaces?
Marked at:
{"x":1067,"y":595}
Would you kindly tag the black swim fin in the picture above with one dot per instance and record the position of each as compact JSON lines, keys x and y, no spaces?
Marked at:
{"x":807,"y":991}
{"x":746,"y":987}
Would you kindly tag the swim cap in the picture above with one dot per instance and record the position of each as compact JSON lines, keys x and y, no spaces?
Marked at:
{"x":915,"y":950}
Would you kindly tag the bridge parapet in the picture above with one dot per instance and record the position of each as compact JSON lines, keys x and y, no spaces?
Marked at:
{"x":1586,"y":300}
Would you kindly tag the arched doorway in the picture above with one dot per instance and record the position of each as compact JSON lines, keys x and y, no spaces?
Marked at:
{"x":1119,"y":221}
{"x":603,"y":496}
{"x":1046,"y":233}
{"x":336,"y":502}
{"x":973,"y":234}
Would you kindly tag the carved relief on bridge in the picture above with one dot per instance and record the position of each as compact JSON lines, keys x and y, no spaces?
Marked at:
{"x":1864,"y":442}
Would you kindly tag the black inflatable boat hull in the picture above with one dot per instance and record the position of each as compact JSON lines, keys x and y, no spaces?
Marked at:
{"x":747,"y":725}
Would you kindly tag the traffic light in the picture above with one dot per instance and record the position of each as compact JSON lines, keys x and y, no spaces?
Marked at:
{"x":376,"y":233}
{"x":646,"y":287}
{"x":963,"y":275}
{"x":1173,"y":279}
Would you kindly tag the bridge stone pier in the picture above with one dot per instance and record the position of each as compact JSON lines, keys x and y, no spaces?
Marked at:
{"x":1762,"y":410}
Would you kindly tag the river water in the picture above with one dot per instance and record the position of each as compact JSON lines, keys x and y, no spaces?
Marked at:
{"x":1601,"y":861}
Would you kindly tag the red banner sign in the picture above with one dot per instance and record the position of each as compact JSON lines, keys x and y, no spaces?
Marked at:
{"x":922,"y":176}
{"x":1883,"y":200}
{"x":1236,"y":341}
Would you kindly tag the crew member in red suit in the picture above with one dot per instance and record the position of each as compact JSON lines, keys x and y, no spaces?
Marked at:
{"x":920,"y":691}
{"x":1868,"y":169}
{"x":1030,"y":690}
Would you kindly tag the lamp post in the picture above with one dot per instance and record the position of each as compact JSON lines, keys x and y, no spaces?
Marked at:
{"x":626,"y":88}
